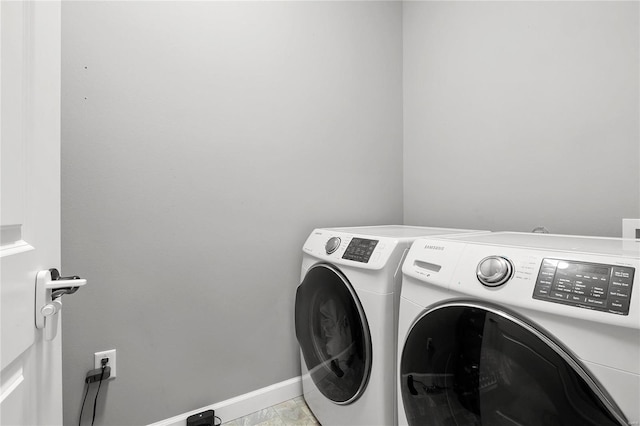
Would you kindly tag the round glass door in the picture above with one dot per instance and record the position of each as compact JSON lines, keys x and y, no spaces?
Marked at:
{"x":333,"y":334}
{"x":474,"y":364}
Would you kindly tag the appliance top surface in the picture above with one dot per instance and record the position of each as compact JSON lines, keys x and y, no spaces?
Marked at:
{"x":573,"y":243}
{"x":400,"y":231}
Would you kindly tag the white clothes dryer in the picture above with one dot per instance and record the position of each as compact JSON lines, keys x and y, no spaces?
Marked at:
{"x":520,"y":329}
{"x":346,"y":321}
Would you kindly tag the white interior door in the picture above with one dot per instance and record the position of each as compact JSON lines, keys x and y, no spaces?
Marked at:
{"x":30,"y":375}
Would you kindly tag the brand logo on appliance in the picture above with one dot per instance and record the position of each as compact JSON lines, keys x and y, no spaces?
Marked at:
{"x":428,"y":247}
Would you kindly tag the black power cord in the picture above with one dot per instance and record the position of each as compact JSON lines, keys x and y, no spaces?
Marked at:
{"x":86,"y":385}
{"x":104,"y":362}
{"x":92,"y":376}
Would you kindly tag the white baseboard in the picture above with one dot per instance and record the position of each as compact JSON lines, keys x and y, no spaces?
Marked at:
{"x":246,"y":404}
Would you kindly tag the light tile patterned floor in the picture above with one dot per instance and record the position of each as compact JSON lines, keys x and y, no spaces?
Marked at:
{"x":291,"y":412}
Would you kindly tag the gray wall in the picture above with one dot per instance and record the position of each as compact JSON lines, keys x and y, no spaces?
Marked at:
{"x":202,"y":142}
{"x":518,"y":114}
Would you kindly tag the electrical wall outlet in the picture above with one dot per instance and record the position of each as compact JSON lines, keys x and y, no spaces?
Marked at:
{"x":111,"y":354}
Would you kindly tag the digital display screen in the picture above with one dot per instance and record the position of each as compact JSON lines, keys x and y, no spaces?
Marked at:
{"x":588,"y":269}
{"x":587,"y":285}
{"x":360,"y":250}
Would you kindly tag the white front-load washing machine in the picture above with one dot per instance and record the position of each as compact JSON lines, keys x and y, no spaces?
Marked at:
{"x":520,"y":329}
{"x":346,"y":321}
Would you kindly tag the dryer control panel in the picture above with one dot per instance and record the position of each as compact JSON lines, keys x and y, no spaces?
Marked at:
{"x":348,"y":249}
{"x":587,"y":285}
{"x":360,"y":249}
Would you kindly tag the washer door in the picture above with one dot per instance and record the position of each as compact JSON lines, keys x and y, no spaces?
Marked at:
{"x":476,"y":364}
{"x":333,"y":334}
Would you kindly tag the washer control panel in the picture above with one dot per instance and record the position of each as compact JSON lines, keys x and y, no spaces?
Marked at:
{"x":360,"y":249}
{"x":586,"y":285}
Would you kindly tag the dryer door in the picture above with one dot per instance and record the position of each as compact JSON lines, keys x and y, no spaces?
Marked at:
{"x":476,"y":364}
{"x":333,"y":334}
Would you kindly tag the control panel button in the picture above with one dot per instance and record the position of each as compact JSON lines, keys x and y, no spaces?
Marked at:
{"x":542,"y":291}
{"x":494,"y":271}
{"x":596,"y":302}
{"x":577,"y":299}
{"x":332,"y":245}
{"x":559,"y":295}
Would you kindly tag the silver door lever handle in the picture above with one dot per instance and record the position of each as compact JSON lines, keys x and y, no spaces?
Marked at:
{"x":56,"y":282}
